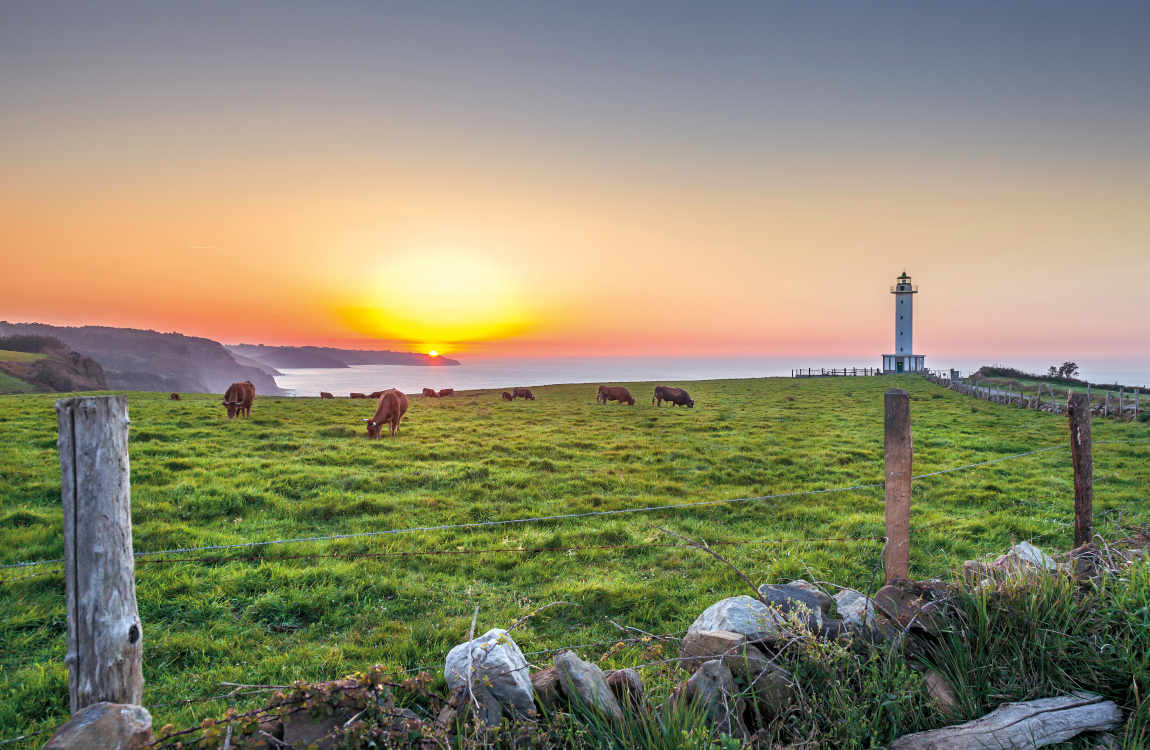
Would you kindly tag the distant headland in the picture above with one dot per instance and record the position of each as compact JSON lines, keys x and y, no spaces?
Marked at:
{"x":133,"y":359}
{"x":292,"y":357}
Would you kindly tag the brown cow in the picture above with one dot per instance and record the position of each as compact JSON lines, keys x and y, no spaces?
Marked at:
{"x":676,"y":396}
{"x":390,"y":410}
{"x":174,"y":396}
{"x":325,"y":394}
{"x":507,"y":396}
{"x":357,"y":395}
{"x":445,"y":392}
{"x":614,"y":393}
{"x":429,"y":393}
{"x":523,"y":393}
{"x":238,"y":399}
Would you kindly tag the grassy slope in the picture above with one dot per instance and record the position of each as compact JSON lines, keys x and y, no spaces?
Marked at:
{"x":301,"y":466}
{"x":7,"y":355}
{"x":9,"y":384}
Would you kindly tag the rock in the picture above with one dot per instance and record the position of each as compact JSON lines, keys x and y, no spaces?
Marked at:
{"x":455,"y":706}
{"x":499,"y":680}
{"x":548,"y":691}
{"x":584,"y":682}
{"x":745,"y":616}
{"x":103,"y":725}
{"x":771,"y":686}
{"x":1024,"y":559}
{"x":628,"y":688}
{"x":713,"y":686}
{"x":1028,"y":553}
{"x":302,"y":728}
{"x":773,"y":689}
{"x":812,"y":610}
{"x":943,"y":695}
{"x":820,"y":596}
{"x":855,"y":609}
{"x":915,"y":606}
{"x":699,"y":646}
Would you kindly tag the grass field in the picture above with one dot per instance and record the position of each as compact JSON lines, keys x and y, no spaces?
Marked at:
{"x":301,"y":467}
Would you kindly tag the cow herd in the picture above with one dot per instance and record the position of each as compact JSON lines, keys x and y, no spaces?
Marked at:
{"x":391,"y":404}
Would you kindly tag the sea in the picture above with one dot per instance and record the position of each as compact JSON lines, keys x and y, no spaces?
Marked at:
{"x":480,"y":372}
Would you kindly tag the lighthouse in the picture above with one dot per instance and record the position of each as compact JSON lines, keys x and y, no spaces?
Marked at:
{"x":903,"y":359}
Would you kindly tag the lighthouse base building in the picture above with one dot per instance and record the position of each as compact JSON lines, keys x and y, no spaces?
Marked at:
{"x":903,"y":359}
{"x":893,"y":363}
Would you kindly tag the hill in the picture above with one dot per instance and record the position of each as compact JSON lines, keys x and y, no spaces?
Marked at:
{"x":324,"y":356}
{"x":301,"y":467}
{"x":141,"y":360}
{"x":41,"y":363}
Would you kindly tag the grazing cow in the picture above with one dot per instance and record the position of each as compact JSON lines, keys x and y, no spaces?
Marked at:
{"x":238,"y":399}
{"x":523,"y":393}
{"x":429,"y":393}
{"x":614,"y":393}
{"x":173,"y":396}
{"x":325,"y":394}
{"x":507,"y":396}
{"x":676,"y":396}
{"x":445,"y":392}
{"x":375,"y":394}
{"x":357,"y":395}
{"x":390,"y":410}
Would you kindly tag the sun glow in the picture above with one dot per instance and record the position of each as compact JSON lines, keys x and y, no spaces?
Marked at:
{"x":441,"y":301}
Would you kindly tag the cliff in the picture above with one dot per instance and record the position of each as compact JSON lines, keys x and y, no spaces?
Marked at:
{"x":49,"y":365}
{"x":140,"y":360}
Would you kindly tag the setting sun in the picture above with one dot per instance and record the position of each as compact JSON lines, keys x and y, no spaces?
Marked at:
{"x":433,"y":353}
{"x":444,"y":299}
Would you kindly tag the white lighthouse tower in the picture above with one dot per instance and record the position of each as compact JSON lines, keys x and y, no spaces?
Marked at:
{"x":904,"y":359}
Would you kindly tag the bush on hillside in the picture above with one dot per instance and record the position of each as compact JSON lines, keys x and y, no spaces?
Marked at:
{"x":32,"y":344}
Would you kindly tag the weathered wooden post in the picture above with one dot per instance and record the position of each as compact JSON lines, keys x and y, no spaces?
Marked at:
{"x":105,"y":640}
{"x":898,"y":448}
{"x":1081,"y":453}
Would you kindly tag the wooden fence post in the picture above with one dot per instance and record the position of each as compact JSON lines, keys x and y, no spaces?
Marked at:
{"x":898,"y":450}
{"x":1081,"y":453}
{"x":105,"y":639}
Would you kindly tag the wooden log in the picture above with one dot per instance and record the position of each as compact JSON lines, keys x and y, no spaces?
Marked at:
{"x":898,"y":448}
{"x":105,"y":639}
{"x":1022,"y":726}
{"x":1081,"y":453}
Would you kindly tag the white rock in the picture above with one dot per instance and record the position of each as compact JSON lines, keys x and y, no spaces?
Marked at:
{"x":743,"y":615}
{"x":1029,"y":553}
{"x":855,"y":609}
{"x":500,"y":677}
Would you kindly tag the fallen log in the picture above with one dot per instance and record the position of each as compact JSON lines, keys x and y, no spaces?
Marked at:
{"x":1021,"y":726}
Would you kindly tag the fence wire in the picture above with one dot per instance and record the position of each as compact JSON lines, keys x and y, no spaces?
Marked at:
{"x":560,"y":516}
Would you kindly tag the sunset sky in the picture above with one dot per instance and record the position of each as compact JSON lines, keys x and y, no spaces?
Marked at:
{"x":545,"y":178}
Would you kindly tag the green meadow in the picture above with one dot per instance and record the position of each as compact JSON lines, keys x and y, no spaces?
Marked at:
{"x":317,"y":610}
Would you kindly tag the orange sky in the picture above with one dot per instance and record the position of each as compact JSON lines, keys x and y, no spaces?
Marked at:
{"x":511,"y":198}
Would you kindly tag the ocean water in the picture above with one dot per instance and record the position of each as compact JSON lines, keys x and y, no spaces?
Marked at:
{"x":505,"y":373}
